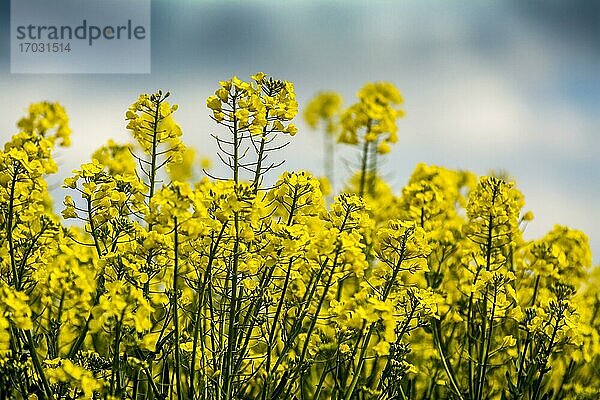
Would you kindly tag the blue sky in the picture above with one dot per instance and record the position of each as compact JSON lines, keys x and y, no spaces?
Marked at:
{"x":511,"y":85}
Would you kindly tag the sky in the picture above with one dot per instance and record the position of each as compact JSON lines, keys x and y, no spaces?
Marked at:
{"x":506,"y":85}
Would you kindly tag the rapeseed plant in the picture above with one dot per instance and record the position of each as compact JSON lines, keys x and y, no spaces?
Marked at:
{"x":227,"y":288}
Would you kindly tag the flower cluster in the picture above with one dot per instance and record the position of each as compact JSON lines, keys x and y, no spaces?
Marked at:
{"x":374,"y":116}
{"x":232,"y":289}
{"x":255,"y":113}
{"x":324,"y":108}
{"x":260,"y":106}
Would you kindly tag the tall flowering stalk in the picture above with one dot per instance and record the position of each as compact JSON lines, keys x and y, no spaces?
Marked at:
{"x":371,"y":124}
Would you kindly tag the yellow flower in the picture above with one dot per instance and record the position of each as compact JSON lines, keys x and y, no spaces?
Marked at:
{"x":14,"y":307}
{"x":382,"y":348}
{"x":324,"y":107}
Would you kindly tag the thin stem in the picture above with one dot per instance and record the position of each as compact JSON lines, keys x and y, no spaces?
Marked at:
{"x":320,"y":384}
{"x":175,"y":316}
{"x":153,"y":169}
{"x":236,"y":143}
{"x":488,"y":345}
{"x":363,"y":168}
{"x":437,"y":339}
{"x":92,"y":226}
{"x":9,"y":230}
{"x":488,"y":261}
{"x":232,"y":322}
{"x":261,"y":156}
{"x":37,"y":365}
{"x":387,"y":290}
{"x":115,"y":365}
{"x":205,"y":281}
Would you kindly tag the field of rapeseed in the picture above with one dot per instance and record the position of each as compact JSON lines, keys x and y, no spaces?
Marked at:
{"x":154,"y":287}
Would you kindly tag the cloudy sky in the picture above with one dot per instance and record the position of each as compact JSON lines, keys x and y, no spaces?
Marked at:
{"x":510,"y":85}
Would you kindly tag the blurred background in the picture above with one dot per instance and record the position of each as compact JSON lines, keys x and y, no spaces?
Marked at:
{"x":511,"y":85}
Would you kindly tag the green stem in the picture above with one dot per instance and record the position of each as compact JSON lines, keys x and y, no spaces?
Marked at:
{"x":9,"y":231}
{"x":175,"y":314}
{"x":235,"y":142}
{"x":81,"y":338}
{"x":488,"y":261}
{"x":386,"y":291}
{"x":93,"y":226}
{"x":487,"y":346}
{"x":232,"y":322}
{"x":258,"y":171}
{"x":37,"y":365}
{"x":361,"y":363}
{"x":271,"y":337}
{"x":297,"y":324}
{"x":115,"y":365}
{"x":437,"y":338}
{"x":320,"y":384}
{"x":363,"y":168}
{"x":205,"y":281}
{"x":154,"y":147}
{"x":543,"y":370}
